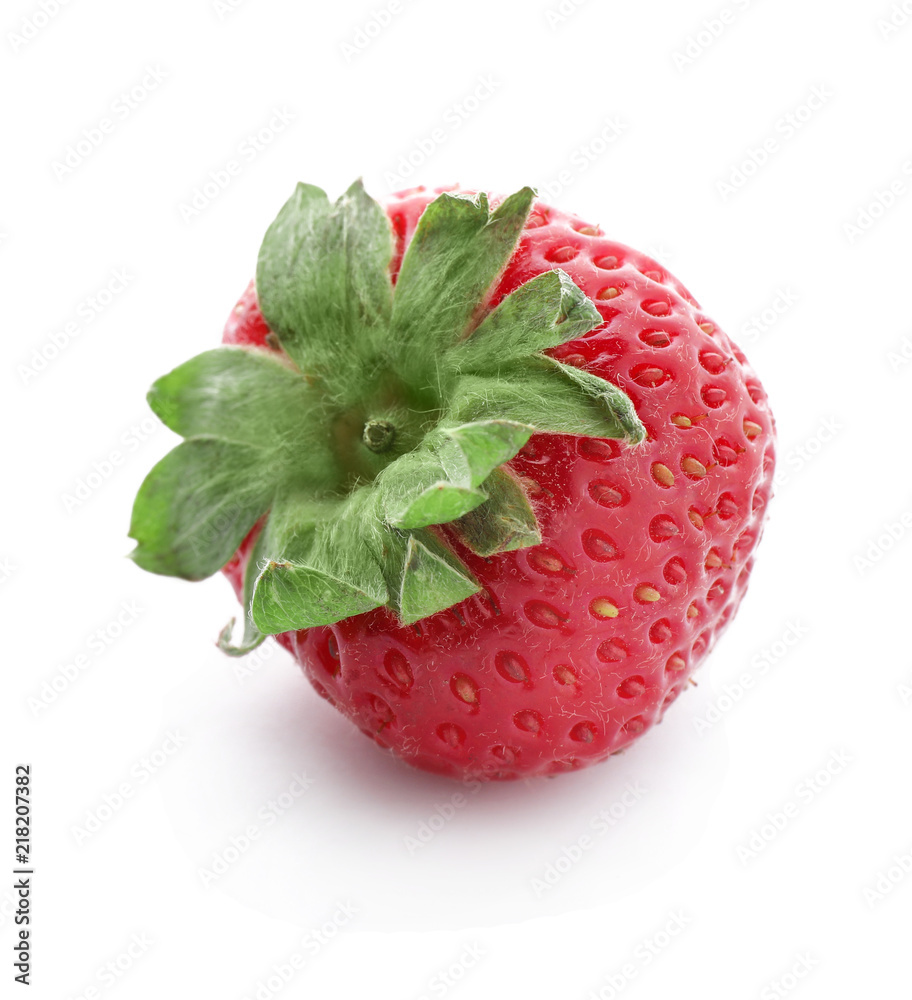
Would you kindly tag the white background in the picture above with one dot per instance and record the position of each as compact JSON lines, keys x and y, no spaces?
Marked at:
{"x":742,"y":851}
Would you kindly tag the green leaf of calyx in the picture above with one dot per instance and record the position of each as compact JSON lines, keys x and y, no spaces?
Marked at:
{"x":222,"y":393}
{"x":196,"y":506}
{"x":323,"y":281}
{"x":289,"y":596}
{"x":344,"y":562}
{"x":251,"y":637}
{"x":550,"y":397}
{"x":458,"y":251}
{"x":442,"y":581}
{"x":470,"y":452}
{"x":504,"y":523}
{"x":441,"y":480}
{"x":432,"y":579}
{"x":415,"y":491}
{"x":251,"y":397}
{"x":437,"y":504}
{"x":546,"y":311}
{"x":318,"y":569}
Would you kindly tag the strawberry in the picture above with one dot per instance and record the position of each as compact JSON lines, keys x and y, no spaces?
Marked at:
{"x":494,"y":479}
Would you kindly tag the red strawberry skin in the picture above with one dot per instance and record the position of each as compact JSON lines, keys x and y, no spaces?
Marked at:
{"x":578,"y":646}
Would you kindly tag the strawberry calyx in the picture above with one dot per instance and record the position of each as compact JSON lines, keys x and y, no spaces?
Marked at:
{"x":378,"y":426}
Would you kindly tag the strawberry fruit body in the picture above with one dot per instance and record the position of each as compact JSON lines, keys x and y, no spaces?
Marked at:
{"x":527,"y":476}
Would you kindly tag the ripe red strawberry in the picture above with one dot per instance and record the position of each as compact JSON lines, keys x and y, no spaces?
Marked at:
{"x":603,"y":566}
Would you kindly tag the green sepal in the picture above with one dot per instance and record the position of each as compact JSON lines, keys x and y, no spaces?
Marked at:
{"x":339,"y":560}
{"x":415,"y":491}
{"x":470,"y":452}
{"x":323,"y":281}
{"x":621,"y":417}
{"x":318,"y":569}
{"x":550,"y":397}
{"x":432,"y":579}
{"x":440,"y":481}
{"x":221,"y":393}
{"x":252,"y":397}
{"x":457,"y":252}
{"x":289,"y":596}
{"x":436,"y":504}
{"x":251,"y":636}
{"x":196,"y":506}
{"x":546,"y":311}
{"x":405,"y":558}
{"x":241,"y":394}
{"x":504,"y":523}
